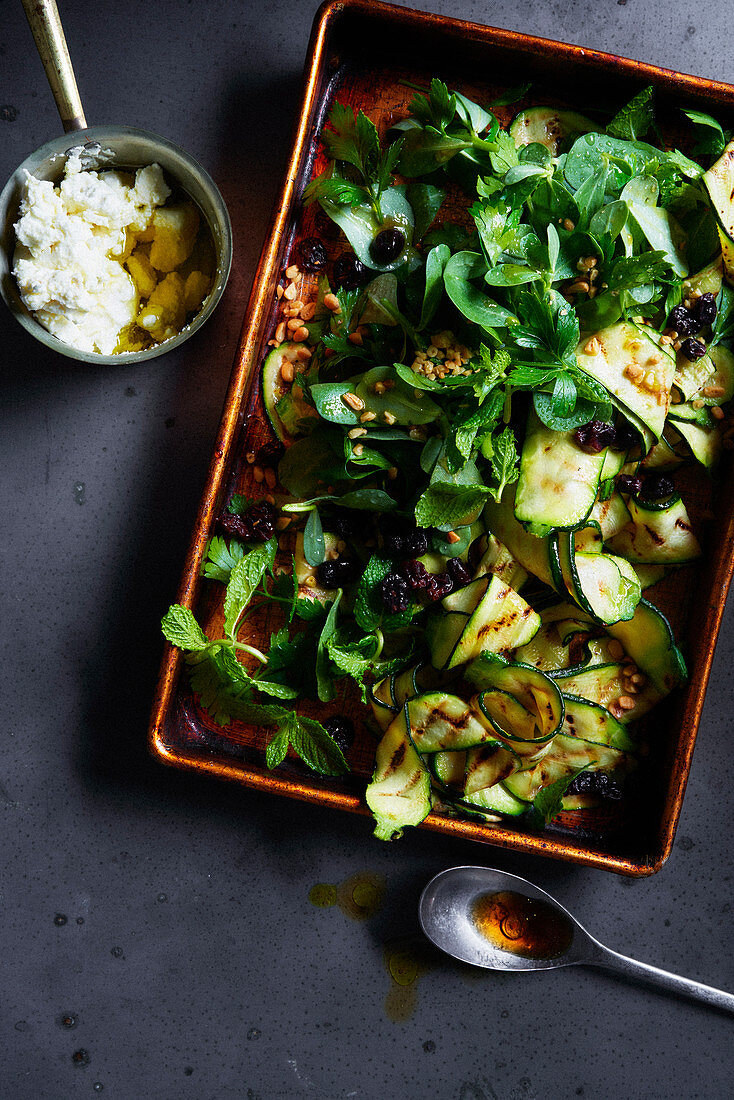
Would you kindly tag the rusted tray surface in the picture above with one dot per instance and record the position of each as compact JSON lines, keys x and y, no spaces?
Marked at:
{"x":362,"y":53}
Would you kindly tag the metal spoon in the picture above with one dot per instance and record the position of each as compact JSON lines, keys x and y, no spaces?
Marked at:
{"x":447,"y":911}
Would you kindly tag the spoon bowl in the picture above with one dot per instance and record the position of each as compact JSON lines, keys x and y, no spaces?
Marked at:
{"x":453,"y":905}
{"x":446,"y":912}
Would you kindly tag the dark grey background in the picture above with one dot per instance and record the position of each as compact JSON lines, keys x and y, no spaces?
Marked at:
{"x":191,"y":958}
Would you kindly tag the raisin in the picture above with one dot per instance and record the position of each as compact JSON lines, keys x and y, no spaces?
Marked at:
{"x":656,"y":487}
{"x":415,"y":574}
{"x":416,"y":542}
{"x":256,"y":525}
{"x":626,"y":436}
{"x":349,"y":272}
{"x":312,"y":254}
{"x":394,"y":593}
{"x":458,"y":572}
{"x":387,"y":246}
{"x":341,"y":729}
{"x":629,"y":483}
{"x":333,"y":574}
{"x":705,"y":310}
{"x":270,"y":454}
{"x":595,"y":436}
{"x":595,"y":783}
{"x":439,"y":585}
{"x":693,"y":349}
{"x":683,"y":322}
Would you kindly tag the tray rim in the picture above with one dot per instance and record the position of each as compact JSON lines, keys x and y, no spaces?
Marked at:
{"x":326,"y":22}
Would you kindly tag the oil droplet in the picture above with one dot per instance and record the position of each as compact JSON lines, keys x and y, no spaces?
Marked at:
{"x":429,"y":1046}
{"x":322,"y":895}
{"x":60,"y":920}
{"x":80,"y":1058}
{"x":253,"y":1033}
{"x":116,"y":952}
{"x":80,"y":492}
{"x":162,"y":897}
{"x":21,"y":1025}
{"x":361,"y":895}
{"x":188,"y":1070}
{"x":406,"y":960}
{"x":68,"y":1020}
{"x":524,"y":926}
{"x":98,"y":1086}
{"x":80,"y":920}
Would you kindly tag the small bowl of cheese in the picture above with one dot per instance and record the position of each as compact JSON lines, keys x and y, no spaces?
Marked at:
{"x":115,"y":245}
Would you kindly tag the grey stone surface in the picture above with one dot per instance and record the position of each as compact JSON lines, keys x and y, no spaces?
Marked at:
{"x":191,"y":961}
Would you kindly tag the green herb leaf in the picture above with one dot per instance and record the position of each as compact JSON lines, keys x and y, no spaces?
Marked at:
{"x":448,"y":506}
{"x":505,"y":461}
{"x":324,"y":678}
{"x":636,"y":118}
{"x":221,"y":559}
{"x":181,"y":628}
{"x":369,"y":610}
{"x":314,"y":547}
{"x":244,"y":579}
{"x":315,"y":746}
{"x":549,"y":800}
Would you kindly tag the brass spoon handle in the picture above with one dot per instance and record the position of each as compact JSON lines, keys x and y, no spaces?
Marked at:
{"x":43,"y":17}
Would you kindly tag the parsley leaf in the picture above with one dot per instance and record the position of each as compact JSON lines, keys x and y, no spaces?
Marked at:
{"x":504,"y":458}
{"x":221,"y":559}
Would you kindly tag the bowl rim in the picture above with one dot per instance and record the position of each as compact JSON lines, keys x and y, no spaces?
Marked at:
{"x":61,"y":145}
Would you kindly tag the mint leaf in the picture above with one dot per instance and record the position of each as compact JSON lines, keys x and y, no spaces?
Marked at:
{"x":245,"y":577}
{"x":504,"y":461}
{"x":324,"y":679}
{"x":315,"y":746}
{"x":224,"y":699}
{"x":277,"y":749}
{"x":549,"y":800}
{"x":221,"y":559}
{"x":448,"y":506}
{"x":181,"y":628}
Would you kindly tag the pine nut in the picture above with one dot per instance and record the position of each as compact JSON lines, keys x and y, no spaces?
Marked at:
{"x":250,"y":457}
{"x":713,"y":391}
{"x":293,"y":324}
{"x":355,"y":338}
{"x":296,"y":306}
{"x":568,"y":224}
{"x":282,"y":523}
{"x":300,"y":334}
{"x":356,"y":433}
{"x":332,"y":302}
{"x":592,"y":346}
{"x":303,"y":354}
{"x":292,"y":272}
{"x":286,"y":371}
{"x":388,"y":417}
{"x":353,"y":401}
{"x":358,"y":450}
{"x":279,"y":291}
{"x":579,"y":287}
{"x":308,"y":311}
{"x":280,"y":332}
{"x":633,"y":372}
{"x":290,"y":292}
{"x":626,"y":702}
{"x":717,"y":413}
{"x":367,"y":416}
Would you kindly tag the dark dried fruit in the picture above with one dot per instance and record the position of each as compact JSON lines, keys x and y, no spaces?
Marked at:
{"x":683,"y":322}
{"x":387,"y":246}
{"x":349,"y":525}
{"x":458,"y":572}
{"x":333,"y":574}
{"x":341,"y":729}
{"x":394,"y":593}
{"x":656,"y":487}
{"x":312,"y":254}
{"x":599,"y":784}
{"x":693,"y":349}
{"x":349,"y":272}
{"x":626,"y":436}
{"x":416,"y":542}
{"x":415,"y":574}
{"x":256,"y":525}
{"x":629,"y":483}
{"x":705,"y":309}
{"x":270,"y":454}
{"x":595,"y":436}
{"x":439,"y":585}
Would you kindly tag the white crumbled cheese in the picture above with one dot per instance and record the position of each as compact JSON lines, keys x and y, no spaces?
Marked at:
{"x":70,"y":240}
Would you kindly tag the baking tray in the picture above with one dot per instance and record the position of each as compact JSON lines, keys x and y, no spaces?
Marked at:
{"x":363,"y":52}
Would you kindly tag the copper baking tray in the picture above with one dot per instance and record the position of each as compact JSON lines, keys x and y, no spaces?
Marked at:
{"x":363,"y":52}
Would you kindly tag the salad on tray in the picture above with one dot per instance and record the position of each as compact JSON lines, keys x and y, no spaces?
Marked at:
{"x":480,"y":406}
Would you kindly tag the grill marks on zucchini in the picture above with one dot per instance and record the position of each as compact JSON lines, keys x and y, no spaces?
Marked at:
{"x":558,"y":481}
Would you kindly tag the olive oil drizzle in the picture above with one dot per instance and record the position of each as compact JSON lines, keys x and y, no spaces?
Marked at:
{"x":524,"y":926}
